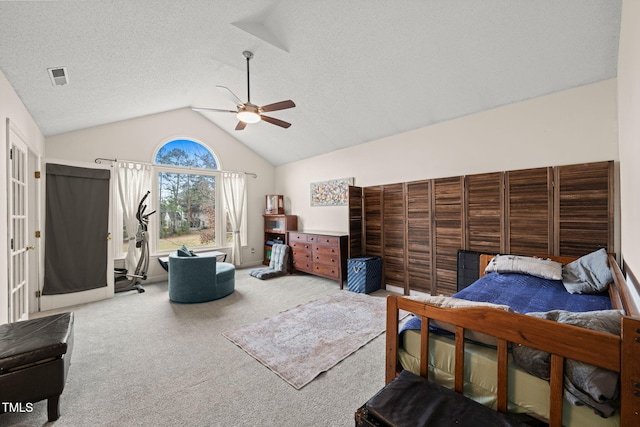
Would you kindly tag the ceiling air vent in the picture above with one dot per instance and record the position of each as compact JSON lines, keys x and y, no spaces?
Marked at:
{"x":58,"y":76}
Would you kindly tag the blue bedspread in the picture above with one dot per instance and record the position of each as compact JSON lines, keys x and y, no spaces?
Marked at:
{"x":525,"y":294}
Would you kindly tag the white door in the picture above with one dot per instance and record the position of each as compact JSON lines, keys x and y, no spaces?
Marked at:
{"x":18,"y":229}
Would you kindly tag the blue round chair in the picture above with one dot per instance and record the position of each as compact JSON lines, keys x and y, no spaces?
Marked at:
{"x":194,"y":279}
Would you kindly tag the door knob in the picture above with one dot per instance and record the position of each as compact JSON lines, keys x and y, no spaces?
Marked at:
{"x":30,"y":248}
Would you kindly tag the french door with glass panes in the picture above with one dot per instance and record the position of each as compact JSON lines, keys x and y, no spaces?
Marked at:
{"x":18,"y":228}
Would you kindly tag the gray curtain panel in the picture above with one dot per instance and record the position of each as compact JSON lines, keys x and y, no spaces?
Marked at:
{"x":76,"y":230}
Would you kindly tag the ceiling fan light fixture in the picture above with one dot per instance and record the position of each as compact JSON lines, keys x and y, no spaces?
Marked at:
{"x":248,"y":116}
{"x":246,"y":112}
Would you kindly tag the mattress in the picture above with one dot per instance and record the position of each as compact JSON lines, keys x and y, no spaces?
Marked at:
{"x":526,"y":393}
{"x":526,"y":294}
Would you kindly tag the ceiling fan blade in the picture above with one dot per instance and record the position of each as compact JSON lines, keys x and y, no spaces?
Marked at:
{"x":213,"y":109}
{"x":232,"y":96}
{"x":282,"y":105}
{"x":241,"y":125}
{"x":276,"y":122}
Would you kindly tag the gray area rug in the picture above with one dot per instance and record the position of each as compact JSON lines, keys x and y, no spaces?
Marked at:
{"x":301,"y":343}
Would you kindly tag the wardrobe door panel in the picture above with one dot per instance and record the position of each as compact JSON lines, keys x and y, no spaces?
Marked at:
{"x":419,"y":235}
{"x":529,"y":211}
{"x":355,"y":222}
{"x":583,"y":208}
{"x":393,"y":218}
{"x":372,"y":208}
{"x":484,"y":212}
{"x":448,"y":232}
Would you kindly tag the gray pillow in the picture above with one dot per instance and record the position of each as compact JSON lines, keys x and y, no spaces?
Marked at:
{"x":585,"y":384}
{"x":533,"y":266}
{"x":589,"y":274}
{"x":184,"y":252}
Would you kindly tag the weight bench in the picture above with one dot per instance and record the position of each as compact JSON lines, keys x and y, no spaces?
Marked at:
{"x":34,"y":361}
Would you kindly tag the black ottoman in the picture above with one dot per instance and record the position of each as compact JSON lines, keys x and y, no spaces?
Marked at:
{"x":34,"y":361}
{"x":412,"y":401}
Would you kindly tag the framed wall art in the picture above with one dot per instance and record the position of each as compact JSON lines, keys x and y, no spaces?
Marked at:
{"x":331,"y":193}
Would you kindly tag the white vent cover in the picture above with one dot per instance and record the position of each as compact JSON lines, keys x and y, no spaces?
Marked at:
{"x":58,"y":76}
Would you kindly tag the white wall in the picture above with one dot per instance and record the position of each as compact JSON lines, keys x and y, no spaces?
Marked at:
{"x":629,"y":122}
{"x":138,"y":139}
{"x":12,"y":108}
{"x":574,"y":126}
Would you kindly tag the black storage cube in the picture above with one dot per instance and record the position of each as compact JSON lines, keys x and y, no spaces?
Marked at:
{"x":364,"y":274}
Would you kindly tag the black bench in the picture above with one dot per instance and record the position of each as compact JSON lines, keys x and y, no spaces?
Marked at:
{"x":34,"y":361}
{"x":411,"y":400}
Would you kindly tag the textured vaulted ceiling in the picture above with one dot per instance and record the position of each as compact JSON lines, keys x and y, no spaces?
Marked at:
{"x":358,"y":70}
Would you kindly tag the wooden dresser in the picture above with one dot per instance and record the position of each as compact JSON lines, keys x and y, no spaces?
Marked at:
{"x":322,"y":254}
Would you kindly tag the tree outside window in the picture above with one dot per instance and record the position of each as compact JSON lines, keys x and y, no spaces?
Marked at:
{"x":188,"y":194}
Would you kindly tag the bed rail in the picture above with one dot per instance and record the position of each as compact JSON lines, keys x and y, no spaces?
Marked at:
{"x":560,"y":340}
{"x":630,"y":352}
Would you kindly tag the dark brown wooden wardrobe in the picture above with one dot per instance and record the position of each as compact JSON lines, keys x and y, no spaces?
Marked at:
{"x":418,"y":227}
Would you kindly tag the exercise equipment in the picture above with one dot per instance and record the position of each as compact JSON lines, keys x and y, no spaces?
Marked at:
{"x":125,"y":281}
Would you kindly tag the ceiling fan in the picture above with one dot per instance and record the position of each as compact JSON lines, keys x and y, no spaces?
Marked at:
{"x":246,"y":112}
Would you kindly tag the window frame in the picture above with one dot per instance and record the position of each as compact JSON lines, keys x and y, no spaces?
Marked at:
{"x":220,"y":228}
{"x":153,"y":202}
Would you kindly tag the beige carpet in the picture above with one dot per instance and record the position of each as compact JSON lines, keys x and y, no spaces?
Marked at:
{"x":139,"y":360}
{"x":301,"y":343}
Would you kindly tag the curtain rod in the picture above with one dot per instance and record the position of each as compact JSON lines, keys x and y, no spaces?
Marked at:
{"x":100,"y":159}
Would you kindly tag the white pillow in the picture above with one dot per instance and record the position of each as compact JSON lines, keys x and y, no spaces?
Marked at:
{"x":533,"y":266}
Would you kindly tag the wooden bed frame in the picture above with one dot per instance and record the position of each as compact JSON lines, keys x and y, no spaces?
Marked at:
{"x":620,"y":354}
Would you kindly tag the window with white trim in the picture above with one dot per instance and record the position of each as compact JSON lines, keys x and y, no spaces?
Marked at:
{"x":189,"y":197}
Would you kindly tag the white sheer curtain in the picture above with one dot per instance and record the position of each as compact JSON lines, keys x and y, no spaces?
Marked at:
{"x":134,"y":180}
{"x":234,"y":186}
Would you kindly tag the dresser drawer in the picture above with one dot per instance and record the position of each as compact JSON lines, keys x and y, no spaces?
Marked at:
{"x":297,"y":237}
{"x":300,"y":246}
{"x":301,"y":256}
{"x":326,"y":259}
{"x":302,"y":260}
{"x":330,"y":271}
{"x":326,"y":240}
{"x":325,"y":250}
{"x":307,"y":266}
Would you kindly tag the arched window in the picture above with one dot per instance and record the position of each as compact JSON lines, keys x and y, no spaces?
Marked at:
{"x":190,"y":207}
{"x":186,"y":153}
